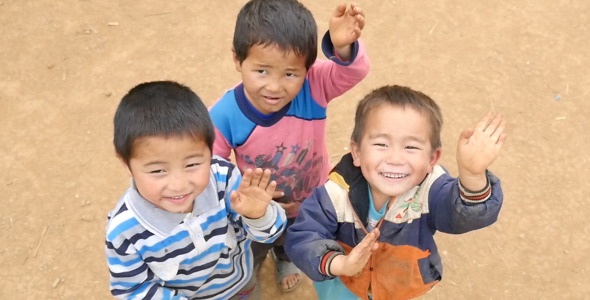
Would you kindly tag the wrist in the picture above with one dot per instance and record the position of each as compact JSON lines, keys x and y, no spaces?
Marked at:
{"x":474,"y":196}
{"x":472,"y":181}
{"x":327,"y":265}
{"x":344,"y":53}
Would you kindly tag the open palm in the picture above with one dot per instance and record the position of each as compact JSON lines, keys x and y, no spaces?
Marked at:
{"x":480,"y":146}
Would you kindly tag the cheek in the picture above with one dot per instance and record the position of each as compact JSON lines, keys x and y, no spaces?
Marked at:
{"x":298,"y":86}
{"x":148,"y":189}
{"x":201,"y":179}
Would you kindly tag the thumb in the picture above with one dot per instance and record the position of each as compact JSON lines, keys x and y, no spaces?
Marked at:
{"x":466,"y":134}
{"x":234,"y":198}
{"x":340,"y":10}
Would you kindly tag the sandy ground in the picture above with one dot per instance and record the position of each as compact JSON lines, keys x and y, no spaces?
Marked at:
{"x":64,"y":65}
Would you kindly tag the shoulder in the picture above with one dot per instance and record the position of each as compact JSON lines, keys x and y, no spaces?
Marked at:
{"x":225,"y":107}
{"x":122,"y":222}
{"x":338,"y":197}
{"x":223,"y":171}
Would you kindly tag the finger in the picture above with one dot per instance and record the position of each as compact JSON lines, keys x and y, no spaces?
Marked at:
{"x":288,"y":206}
{"x":375,"y":247}
{"x":368,"y":243}
{"x":465,"y":135}
{"x":270,"y":188}
{"x":357,"y":32}
{"x":495,"y":121}
{"x":499,"y":131}
{"x":234,"y":198}
{"x":370,"y":238}
{"x":361,"y":21}
{"x":501,"y":141}
{"x":246,"y":178}
{"x":357,"y":10}
{"x":265,"y":178}
{"x":256,"y":176}
{"x":340,"y":10}
{"x":278,"y":194}
{"x":377,"y":233}
{"x":483,"y":123}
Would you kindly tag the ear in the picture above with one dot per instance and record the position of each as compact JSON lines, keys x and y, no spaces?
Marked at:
{"x":356,"y":154}
{"x":434,"y":157}
{"x":236,"y":60}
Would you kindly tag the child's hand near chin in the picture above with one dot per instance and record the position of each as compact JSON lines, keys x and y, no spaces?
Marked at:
{"x":345,"y":28}
{"x":253,"y":194}
{"x":354,"y":263}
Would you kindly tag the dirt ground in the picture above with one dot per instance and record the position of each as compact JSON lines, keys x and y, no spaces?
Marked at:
{"x":64,"y":66}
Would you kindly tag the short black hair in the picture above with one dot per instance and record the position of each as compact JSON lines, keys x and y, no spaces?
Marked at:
{"x":398,"y":96}
{"x":160,"y":108}
{"x":285,"y":23}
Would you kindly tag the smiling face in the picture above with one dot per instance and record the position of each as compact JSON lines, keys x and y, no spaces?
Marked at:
{"x":272,"y":77}
{"x":395,"y":153}
{"x":170,"y":172}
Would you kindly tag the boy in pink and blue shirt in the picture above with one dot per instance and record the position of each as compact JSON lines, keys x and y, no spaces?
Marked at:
{"x":276,"y":117}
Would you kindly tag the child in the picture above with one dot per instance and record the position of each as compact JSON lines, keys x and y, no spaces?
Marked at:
{"x":372,"y":223}
{"x":184,"y":227}
{"x":276,"y":118}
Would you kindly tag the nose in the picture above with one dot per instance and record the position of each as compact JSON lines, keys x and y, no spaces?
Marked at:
{"x":177,"y":181}
{"x":273,"y":85}
{"x":395,"y":156}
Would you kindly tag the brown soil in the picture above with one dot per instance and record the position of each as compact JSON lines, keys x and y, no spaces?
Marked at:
{"x":64,"y":65}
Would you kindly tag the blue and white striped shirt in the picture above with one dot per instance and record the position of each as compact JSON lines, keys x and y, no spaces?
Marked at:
{"x":156,"y":254}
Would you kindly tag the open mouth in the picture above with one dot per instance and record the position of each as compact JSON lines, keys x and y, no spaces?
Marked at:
{"x":394,"y":175}
{"x":272,"y":100}
{"x":178,"y":199}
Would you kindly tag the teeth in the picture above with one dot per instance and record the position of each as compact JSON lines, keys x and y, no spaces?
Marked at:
{"x":391,"y":175}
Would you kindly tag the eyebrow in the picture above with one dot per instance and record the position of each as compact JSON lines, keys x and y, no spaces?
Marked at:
{"x":407,"y":138}
{"x":261,"y":65}
{"x":416,"y":139}
{"x":157,"y":162}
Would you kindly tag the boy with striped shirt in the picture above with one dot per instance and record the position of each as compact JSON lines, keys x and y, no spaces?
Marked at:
{"x":184,"y":227}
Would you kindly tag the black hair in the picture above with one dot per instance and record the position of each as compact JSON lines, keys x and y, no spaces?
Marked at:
{"x":285,"y":23}
{"x":400,"y":96}
{"x":160,"y":108}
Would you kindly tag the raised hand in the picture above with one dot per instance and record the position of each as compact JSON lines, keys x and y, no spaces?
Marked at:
{"x":478,"y":147}
{"x":253,"y":194}
{"x":345,"y":28}
{"x":354,"y":263}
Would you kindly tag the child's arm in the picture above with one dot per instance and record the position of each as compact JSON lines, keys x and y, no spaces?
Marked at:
{"x":477,"y":148}
{"x":345,"y":28}
{"x":220,"y":145}
{"x":348,"y":62}
{"x":474,"y":200}
{"x":312,"y":245}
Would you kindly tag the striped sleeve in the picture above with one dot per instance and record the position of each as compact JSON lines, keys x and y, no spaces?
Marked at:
{"x":269,"y":227}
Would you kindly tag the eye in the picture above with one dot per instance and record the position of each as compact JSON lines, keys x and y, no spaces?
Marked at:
{"x":193,"y":165}
{"x":380,"y":145}
{"x":159,"y":171}
{"x":262,"y":72}
{"x":412,"y":148}
{"x":290,"y":75}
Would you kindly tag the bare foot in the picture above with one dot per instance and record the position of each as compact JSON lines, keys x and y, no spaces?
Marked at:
{"x":290,"y":281}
